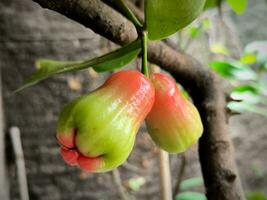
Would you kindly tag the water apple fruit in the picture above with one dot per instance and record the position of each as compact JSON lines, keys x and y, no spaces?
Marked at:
{"x":97,"y":131}
{"x":173,"y":122}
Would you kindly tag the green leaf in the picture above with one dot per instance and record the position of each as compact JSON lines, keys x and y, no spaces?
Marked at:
{"x":259,"y":48}
{"x":190,"y":196}
{"x":262,"y":86}
{"x":119,"y":58}
{"x":244,"y":106}
{"x":211,"y":4}
{"x":206,"y":24}
{"x":191,"y":183}
{"x":256,"y":196}
{"x":218,"y":48}
{"x":251,"y":93}
{"x":246,"y":93}
{"x":194,"y":31}
{"x":165,"y":17}
{"x":247,"y":88}
{"x":246,"y":96}
{"x":110,"y":61}
{"x":233,"y":70}
{"x":136,"y":183}
{"x":248,"y":59}
{"x":239,"y":6}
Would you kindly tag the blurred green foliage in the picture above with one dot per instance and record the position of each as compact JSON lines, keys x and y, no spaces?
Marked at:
{"x":136,"y":183}
{"x":190,"y":196}
{"x":190,"y":184}
{"x":248,"y":75}
{"x":256,"y":196}
{"x":238,"y":6}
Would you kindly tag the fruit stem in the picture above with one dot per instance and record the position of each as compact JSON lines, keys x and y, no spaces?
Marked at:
{"x":128,"y":13}
{"x":144,"y":41}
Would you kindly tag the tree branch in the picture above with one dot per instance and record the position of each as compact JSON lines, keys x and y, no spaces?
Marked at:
{"x":215,"y":146}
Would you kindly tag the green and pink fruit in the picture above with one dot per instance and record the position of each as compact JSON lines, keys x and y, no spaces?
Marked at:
{"x":97,"y":131}
{"x":174,"y":122}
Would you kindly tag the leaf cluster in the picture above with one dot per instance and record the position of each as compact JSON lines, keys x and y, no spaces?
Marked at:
{"x":248,"y":76}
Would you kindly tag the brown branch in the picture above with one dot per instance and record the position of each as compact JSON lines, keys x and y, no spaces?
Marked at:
{"x":215,"y":147}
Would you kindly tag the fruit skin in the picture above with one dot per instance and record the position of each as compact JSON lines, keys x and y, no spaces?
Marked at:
{"x":97,"y":131}
{"x":174,"y":122}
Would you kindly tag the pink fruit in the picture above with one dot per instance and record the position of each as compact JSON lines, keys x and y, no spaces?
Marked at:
{"x":174,"y":122}
{"x":97,"y":131}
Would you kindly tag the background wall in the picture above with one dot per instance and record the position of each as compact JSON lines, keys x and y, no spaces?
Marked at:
{"x":28,"y":32}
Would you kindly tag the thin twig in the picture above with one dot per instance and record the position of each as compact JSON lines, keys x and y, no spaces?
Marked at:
{"x":4,"y":182}
{"x":165,"y":176}
{"x":117,"y":178}
{"x":131,"y":167}
{"x":21,"y":171}
{"x":180,"y":174}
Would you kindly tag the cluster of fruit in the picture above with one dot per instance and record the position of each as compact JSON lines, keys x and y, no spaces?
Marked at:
{"x":97,"y":131}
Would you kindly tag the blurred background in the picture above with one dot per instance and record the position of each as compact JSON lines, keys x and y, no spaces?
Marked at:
{"x":235,"y":46}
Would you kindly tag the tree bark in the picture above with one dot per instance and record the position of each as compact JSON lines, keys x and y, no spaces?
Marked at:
{"x":215,"y":147}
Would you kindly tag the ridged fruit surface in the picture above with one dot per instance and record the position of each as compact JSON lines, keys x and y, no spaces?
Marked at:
{"x":174,"y":122}
{"x":97,"y":131}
